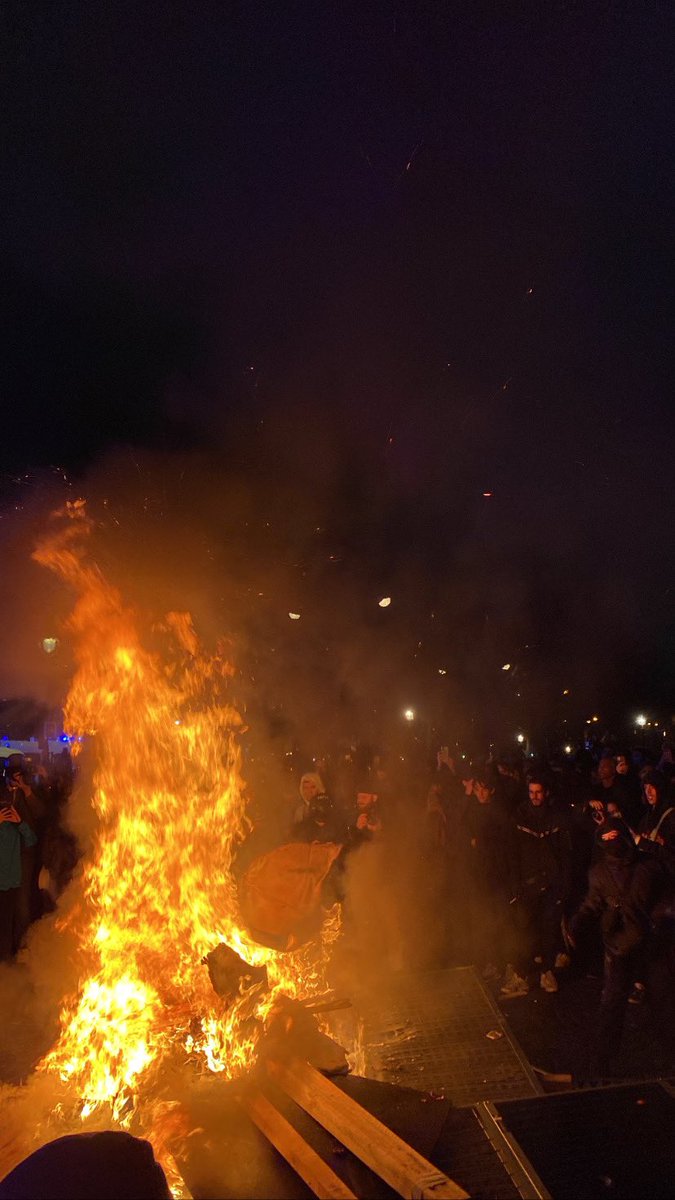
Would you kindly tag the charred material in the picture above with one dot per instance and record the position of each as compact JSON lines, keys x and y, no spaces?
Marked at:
{"x":230,"y":974}
{"x":292,"y":1031}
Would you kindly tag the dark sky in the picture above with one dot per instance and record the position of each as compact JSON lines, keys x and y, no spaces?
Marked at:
{"x":421,"y":251}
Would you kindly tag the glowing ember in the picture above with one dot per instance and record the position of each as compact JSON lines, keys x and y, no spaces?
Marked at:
{"x":156,"y":892}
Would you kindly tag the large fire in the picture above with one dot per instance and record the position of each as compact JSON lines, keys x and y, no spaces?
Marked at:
{"x":156,"y":892}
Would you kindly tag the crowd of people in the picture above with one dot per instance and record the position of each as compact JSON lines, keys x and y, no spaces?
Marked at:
{"x":37,"y":853}
{"x":525,"y":868}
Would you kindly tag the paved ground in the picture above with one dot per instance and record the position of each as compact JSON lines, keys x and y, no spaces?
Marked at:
{"x":556,"y":1031}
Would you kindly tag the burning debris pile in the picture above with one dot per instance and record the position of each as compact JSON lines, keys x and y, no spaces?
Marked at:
{"x":153,"y":915}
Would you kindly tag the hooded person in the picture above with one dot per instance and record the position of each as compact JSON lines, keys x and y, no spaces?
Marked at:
{"x":311,"y":786}
{"x":656,"y":845}
{"x":622,"y":891}
{"x":656,"y":828}
{"x":285,"y":893}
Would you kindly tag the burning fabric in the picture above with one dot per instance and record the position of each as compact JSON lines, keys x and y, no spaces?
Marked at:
{"x":281,"y":893}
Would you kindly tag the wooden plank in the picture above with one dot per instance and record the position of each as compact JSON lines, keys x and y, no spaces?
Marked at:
{"x":406,"y":1171}
{"x":304,"y":1160}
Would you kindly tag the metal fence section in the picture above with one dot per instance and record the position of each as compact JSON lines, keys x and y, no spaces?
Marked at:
{"x":441,"y":1031}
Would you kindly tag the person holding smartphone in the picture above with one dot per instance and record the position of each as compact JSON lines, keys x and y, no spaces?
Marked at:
{"x":15,"y":832}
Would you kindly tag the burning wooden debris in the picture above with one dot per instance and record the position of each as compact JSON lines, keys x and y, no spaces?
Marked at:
{"x":166,"y":790}
{"x":296,"y":1056}
{"x":292,"y":1030}
{"x":230,"y":974}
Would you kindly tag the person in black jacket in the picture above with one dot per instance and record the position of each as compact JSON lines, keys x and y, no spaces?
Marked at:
{"x":322,"y":822}
{"x":485,"y":835}
{"x":622,"y":890}
{"x":656,"y":827}
{"x":656,"y":843}
{"x":540,"y":863}
{"x":609,"y":792}
{"x":629,"y":783}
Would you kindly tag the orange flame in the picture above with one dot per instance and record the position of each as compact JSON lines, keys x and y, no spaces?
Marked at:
{"x":157,"y":892}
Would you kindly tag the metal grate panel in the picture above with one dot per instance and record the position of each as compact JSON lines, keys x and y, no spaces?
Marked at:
{"x":430,"y":1031}
{"x":465,"y":1153}
{"x":599,"y":1142}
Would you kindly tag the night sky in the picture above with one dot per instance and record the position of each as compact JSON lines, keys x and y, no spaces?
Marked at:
{"x":360,"y":265}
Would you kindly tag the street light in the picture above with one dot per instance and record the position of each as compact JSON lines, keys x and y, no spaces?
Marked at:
{"x":641,"y":720}
{"x":520,"y":738}
{"x":409,"y":714}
